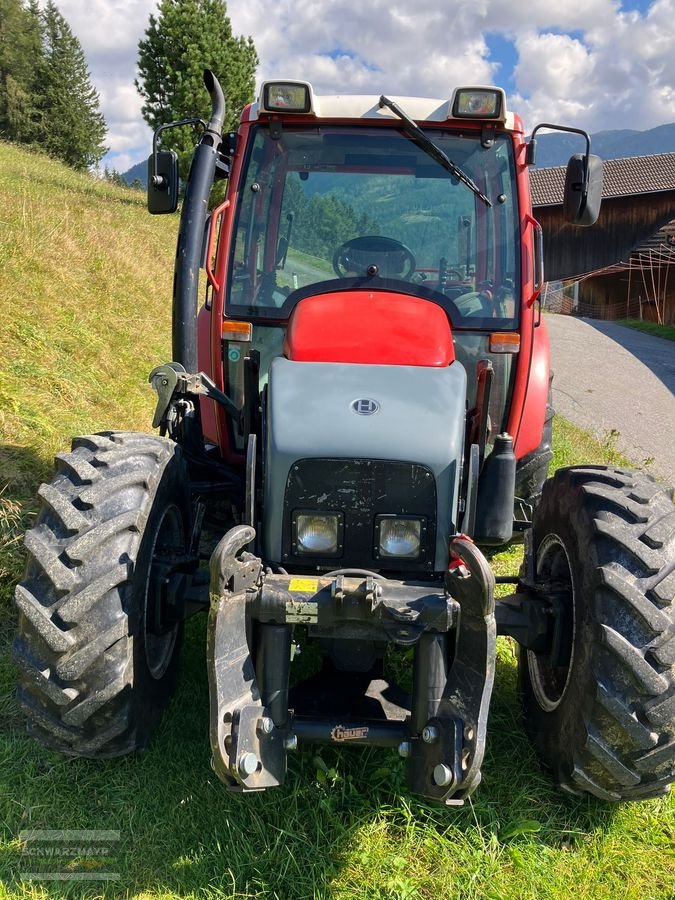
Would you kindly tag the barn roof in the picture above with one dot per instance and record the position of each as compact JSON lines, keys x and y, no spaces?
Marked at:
{"x":622,"y":178}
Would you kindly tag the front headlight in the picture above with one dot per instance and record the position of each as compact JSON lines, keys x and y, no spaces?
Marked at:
{"x":400,"y":537}
{"x":317,"y":533}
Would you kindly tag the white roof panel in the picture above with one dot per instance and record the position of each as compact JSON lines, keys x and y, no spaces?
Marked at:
{"x":367,"y":106}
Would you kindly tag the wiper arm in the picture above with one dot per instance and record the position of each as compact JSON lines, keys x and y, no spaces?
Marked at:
{"x":414,"y":133}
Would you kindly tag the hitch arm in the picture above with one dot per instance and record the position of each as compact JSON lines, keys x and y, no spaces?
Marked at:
{"x":459,"y":725}
{"x":249,"y":751}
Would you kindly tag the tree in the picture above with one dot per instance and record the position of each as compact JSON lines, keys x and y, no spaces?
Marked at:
{"x":114,"y":177}
{"x":70,"y":124}
{"x":20,"y":49}
{"x":46,"y":97}
{"x":186,"y":37}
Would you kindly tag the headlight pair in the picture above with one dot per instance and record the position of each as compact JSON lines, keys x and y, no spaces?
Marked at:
{"x":321,"y":534}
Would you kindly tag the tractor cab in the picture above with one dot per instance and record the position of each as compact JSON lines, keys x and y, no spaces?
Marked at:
{"x":351,"y":205}
{"x":347,"y":205}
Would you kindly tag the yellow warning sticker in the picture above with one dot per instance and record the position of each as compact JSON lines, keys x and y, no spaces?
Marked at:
{"x":304,"y":585}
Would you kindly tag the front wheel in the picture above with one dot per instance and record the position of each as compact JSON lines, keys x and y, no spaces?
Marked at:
{"x":600,"y":707}
{"x":96,"y":667}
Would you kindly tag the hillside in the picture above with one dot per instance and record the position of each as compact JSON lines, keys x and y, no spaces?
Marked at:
{"x":139,"y":172}
{"x":85,"y":301}
{"x":85,"y":294}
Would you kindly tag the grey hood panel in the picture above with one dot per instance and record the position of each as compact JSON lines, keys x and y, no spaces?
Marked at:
{"x":310,"y":413}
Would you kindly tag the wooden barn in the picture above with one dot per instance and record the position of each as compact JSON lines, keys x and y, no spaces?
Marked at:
{"x":624,"y":266}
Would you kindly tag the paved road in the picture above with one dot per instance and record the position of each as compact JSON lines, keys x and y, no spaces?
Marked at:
{"x":608,"y":377}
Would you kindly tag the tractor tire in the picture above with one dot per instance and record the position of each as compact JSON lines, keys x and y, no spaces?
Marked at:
{"x":532,"y":470}
{"x":602,"y":717}
{"x":93,"y":682}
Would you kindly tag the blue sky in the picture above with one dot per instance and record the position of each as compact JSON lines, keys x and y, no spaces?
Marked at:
{"x":595,"y":64}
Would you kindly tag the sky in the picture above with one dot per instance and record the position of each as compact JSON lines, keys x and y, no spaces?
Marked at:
{"x":594,"y":64}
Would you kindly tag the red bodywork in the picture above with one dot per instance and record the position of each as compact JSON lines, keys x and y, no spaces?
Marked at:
{"x":530,"y":388}
{"x":529,"y":427}
{"x":358,"y":339}
{"x":384,"y":329}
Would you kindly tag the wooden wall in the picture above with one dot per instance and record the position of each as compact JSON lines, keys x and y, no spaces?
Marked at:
{"x":624,"y":223}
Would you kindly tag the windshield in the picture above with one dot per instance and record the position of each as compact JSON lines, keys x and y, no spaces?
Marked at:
{"x":337,"y":207}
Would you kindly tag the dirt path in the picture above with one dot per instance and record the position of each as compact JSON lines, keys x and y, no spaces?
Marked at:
{"x":614,"y":379}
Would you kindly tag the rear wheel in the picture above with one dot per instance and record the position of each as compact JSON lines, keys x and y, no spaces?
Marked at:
{"x":601,"y":709}
{"x":96,"y":671}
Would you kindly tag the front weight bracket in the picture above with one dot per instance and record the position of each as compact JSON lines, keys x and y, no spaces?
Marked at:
{"x":249,"y":751}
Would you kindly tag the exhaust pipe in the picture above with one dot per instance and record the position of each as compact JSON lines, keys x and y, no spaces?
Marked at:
{"x":191,"y":233}
{"x":217,"y":103}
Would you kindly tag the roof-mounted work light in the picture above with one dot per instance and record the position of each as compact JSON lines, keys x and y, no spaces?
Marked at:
{"x":285,"y":97}
{"x":479,"y":103}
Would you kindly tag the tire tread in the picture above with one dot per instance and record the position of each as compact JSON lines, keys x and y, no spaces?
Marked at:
{"x":628,"y":746}
{"x":75,"y":642}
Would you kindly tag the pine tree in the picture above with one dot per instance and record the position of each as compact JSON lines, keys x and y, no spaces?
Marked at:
{"x":186,"y":37}
{"x":20,"y":51}
{"x":71,"y":126}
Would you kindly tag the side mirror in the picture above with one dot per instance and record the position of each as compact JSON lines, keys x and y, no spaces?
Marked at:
{"x":583,"y":189}
{"x":162,"y":182}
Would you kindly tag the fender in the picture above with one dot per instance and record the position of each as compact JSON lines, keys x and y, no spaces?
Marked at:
{"x":532,"y":419}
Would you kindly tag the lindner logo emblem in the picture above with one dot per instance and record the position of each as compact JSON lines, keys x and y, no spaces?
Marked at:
{"x":364,"y":406}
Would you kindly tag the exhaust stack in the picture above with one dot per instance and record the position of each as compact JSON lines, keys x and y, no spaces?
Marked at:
{"x":191,"y":233}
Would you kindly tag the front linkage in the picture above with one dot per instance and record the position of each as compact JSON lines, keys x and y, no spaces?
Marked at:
{"x":252,"y":615}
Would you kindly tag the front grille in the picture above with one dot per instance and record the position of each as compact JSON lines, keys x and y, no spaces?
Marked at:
{"x":361,"y":489}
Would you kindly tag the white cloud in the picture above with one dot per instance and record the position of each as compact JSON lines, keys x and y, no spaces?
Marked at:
{"x":120,"y":162}
{"x":111,"y":27}
{"x":580,"y":62}
{"x":540,"y":15}
{"x":620,"y":74}
{"x":554,"y":77}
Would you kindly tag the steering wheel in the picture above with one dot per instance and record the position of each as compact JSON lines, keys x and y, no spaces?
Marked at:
{"x":373,"y":254}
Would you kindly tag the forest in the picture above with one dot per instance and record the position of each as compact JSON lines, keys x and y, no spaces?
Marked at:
{"x":46,"y":96}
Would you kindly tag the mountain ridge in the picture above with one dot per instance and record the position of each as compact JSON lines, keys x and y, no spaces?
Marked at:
{"x":554,"y":149}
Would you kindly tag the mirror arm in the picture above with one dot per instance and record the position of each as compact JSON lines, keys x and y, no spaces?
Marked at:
{"x":159,"y":181}
{"x":566,"y":128}
{"x":569,"y":130}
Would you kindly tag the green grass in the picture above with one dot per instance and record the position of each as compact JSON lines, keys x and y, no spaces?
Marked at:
{"x":662,"y":331}
{"x":85,"y":284}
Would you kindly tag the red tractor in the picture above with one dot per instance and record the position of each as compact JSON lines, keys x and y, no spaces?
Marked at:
{"x":361,"y":403}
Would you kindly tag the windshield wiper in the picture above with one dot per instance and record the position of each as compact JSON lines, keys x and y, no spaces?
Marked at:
{"x":412,"y":131}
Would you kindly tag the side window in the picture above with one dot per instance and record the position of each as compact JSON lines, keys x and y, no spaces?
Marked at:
{"x":268,"y":340}
{"x":472,"y":347}
{"x":250,"y":243}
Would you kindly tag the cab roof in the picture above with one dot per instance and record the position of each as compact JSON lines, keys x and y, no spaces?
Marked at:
{"x":367,"y":106}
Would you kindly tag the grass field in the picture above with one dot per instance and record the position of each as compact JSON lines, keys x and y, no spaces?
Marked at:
{"x":85,"y":281}
{"x":663,"y":331}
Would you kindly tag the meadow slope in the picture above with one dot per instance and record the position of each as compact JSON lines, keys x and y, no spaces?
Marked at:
{"x":85,"y":286}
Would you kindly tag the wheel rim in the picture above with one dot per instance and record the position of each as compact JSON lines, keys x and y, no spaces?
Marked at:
{"x":169,"y":539}
{"x":550,"y":682}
